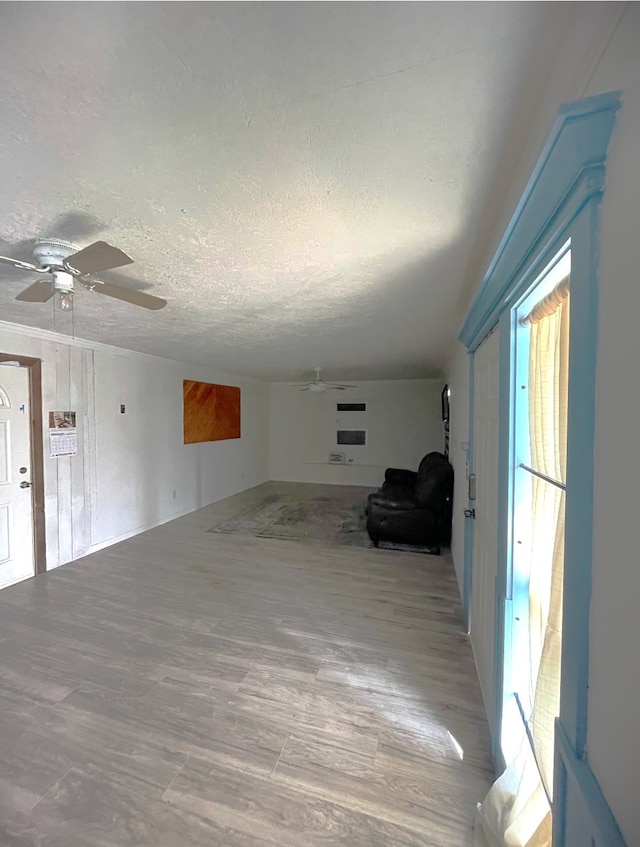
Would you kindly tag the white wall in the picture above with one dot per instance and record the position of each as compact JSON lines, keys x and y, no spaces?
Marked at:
{"x":403,"y":422}
{"x":128,"y":466}
{"x":613,"y":743}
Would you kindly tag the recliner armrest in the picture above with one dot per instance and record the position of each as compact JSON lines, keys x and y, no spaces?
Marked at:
{"x":400,"y":476}
{"x":396,"y":500}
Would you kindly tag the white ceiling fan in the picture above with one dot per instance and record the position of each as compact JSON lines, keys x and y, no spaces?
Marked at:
{"x":317,"y":385}
{"x":65,"y":266}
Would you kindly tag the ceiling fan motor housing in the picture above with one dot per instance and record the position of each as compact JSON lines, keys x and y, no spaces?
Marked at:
{"x":50,"y":253}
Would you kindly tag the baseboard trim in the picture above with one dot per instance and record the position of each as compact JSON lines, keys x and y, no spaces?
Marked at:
{"x":116,"y":539}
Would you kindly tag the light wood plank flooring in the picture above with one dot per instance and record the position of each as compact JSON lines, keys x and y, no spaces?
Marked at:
{"x":191,"y":688}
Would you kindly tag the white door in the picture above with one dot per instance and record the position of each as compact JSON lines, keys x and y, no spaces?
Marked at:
{"x":16,"y":509}
{"x":486,"y":392}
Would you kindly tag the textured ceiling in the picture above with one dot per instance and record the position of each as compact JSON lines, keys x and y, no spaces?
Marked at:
{"x":301,"y":181}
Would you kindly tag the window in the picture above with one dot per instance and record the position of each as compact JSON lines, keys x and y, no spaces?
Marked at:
{"x":539,"y":407}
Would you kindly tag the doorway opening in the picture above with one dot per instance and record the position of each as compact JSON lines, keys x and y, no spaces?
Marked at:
{"x":22,"y":528}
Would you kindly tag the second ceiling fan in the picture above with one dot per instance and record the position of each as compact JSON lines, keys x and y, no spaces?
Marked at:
{"x":318,"y":385}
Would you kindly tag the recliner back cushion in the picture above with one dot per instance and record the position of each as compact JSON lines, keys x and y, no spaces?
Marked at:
{"x":430,"y":459}
{"x":435,"y":483}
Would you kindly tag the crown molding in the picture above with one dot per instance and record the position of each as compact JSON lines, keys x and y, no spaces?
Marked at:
{"x":85,"y":344}
{"x":569,"y":172}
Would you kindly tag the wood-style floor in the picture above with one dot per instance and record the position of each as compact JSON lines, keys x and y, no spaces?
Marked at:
{"x":191,"y":688}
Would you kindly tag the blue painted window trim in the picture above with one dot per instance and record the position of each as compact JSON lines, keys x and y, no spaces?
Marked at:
{"x":572,"y":771}
{"x":561,"y":202}
{"x":569,"y":172}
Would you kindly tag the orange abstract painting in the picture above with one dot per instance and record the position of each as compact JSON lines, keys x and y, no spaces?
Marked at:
{"x":211,"y":412}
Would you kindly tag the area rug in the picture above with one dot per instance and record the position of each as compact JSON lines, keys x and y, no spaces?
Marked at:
{"x":320,"y":518}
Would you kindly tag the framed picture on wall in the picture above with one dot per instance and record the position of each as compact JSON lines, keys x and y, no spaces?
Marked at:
{"x":446,"y":393}
{"x":445,"y":404}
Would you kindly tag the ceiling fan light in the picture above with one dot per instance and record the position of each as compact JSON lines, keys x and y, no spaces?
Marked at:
{"x":65,"y":301}
{"x":317,"y":387}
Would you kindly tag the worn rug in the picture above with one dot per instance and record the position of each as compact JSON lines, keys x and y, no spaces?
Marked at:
{"x":315,"y":516}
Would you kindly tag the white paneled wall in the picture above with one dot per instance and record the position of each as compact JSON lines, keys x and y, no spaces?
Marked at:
{"x":132,"y":470}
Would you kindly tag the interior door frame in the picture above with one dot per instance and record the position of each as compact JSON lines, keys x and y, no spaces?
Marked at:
{"x":34,"y":370}
{"x":495,"y":719}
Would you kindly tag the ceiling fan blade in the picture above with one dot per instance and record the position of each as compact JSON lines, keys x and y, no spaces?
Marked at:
{"x":340,"y":386}
{"x":305,"y":389}
{"x":39,"y":292}
{"x":129,"y":295}
{"x":95,"y":258}
{"x":23,"y":266}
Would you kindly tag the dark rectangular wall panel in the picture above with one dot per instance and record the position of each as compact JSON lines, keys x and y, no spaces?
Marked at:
{"x":356,"y":437}
{"x":211,"y":412}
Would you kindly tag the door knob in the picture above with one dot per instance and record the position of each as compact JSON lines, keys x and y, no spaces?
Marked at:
{"x":25,"y":484}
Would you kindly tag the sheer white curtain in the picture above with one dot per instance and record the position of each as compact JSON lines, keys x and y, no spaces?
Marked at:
{"x":516,"y":812}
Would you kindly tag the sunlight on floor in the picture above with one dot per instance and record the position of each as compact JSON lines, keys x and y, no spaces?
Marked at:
{"x":456,"y":746}
{"x":427,"y":732}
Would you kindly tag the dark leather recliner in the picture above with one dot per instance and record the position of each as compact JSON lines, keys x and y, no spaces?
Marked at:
{"x":414,"y":507}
